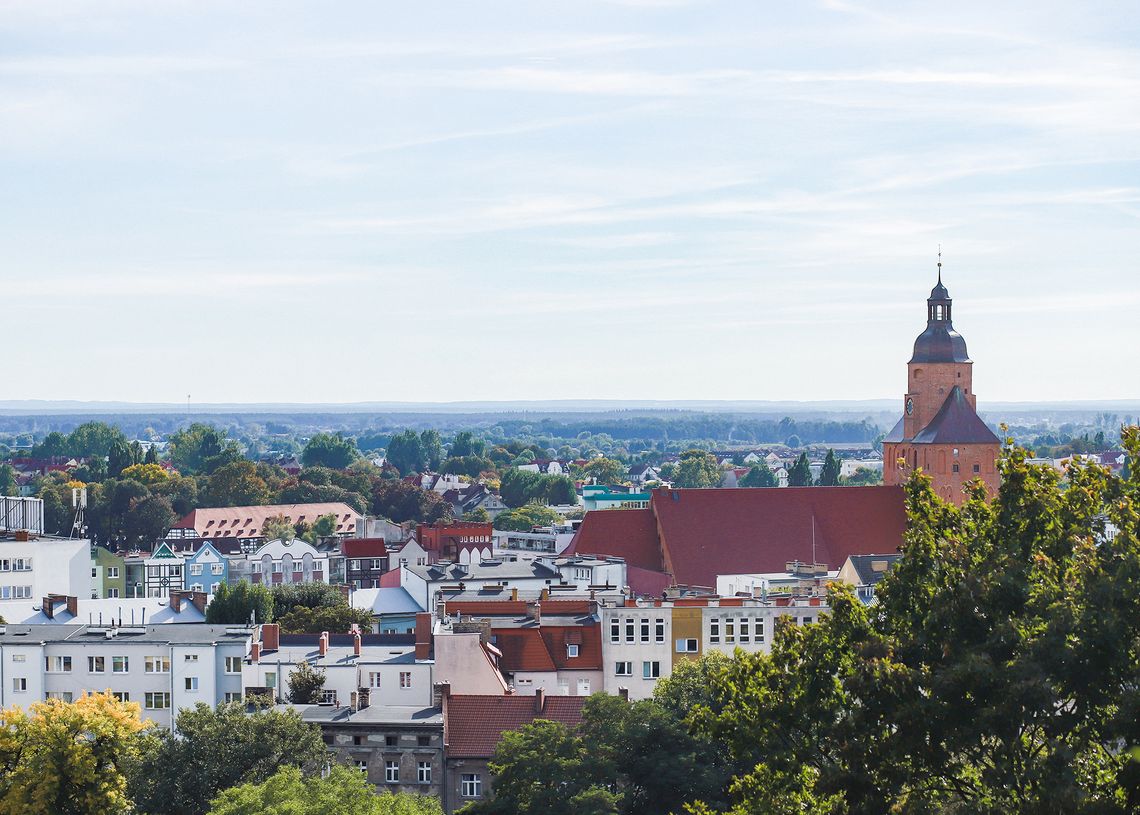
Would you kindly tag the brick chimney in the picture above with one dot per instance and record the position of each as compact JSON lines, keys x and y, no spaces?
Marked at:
{"x":175,"y":601}
{"x":356,"y":643}
{"x":363,"y":698}
{"x":48,"y":605}
{"x":539,"y":700}
{"x":514,"y":594}
{"x":270,"y":636}
{"x":536,"y":611}
{"x":255,"y":652}
{"x":439,"y":692}
{"x":423,"y":635}
{"x":323,"y":643}
{"x":72,"y":605}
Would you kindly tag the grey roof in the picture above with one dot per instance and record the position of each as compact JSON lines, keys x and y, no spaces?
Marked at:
{"x":372,"y":715}
{"x":130,"y":610}
{"x":483,"y":570}
{"x":940,"y":343}
{"x":868,"y":575}
{"x":956,"y":423}
{"x":896,"y":434}
{"x":181,"y":634}
{"x":385,"y":601}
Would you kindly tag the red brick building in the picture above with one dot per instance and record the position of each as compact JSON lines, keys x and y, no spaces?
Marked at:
{"x":940,"y":431}
{"x":446,"y":541}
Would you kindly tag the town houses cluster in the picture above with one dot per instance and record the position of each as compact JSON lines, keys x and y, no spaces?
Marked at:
{"x":476,"y":630}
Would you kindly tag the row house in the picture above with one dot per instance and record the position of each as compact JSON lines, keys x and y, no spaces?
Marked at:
{"x":108,"y":573}
{"x":163,"y":668}
{"x":282,"y":561}
{"x":642,"y":641}
{"x":206,"y":569}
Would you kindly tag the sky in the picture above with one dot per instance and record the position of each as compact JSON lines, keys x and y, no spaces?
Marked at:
{"x":613,"y":199}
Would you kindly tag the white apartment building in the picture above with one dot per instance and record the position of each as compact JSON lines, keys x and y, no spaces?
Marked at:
{"x":637,"y":649}
{"x":33,"y":566}
{"x":385,"y":665}
{"x":161,"y":667}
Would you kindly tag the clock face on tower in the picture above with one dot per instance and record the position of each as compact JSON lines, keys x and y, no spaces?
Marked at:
{"x":909,"y":407}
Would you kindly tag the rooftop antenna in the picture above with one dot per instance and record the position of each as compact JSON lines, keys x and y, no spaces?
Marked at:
{"x":939,"y":264}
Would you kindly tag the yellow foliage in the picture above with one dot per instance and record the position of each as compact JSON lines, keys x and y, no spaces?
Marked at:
{"x":149,"y":474}
{"x":64,"y":758}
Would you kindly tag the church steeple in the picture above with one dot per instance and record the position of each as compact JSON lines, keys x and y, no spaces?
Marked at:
{"x":939,"y":342}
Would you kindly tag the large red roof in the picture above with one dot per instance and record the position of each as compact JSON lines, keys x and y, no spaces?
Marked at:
{"x":705,"y":533}
{"x":219,"y":523}
{"x":364,"y":547}
{"x":474,"y":724}
{"x":626,"y":533}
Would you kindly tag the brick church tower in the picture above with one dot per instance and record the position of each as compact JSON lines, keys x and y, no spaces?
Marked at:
{"x":940,"y":430}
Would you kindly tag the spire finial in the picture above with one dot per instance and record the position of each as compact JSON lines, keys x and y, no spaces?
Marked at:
{"x":940,"y":264}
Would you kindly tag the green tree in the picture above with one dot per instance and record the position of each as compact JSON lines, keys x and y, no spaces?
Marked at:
{"x":151,"y":456}
{"x":118,"y":458}
{"x":239,"y":604}
{"x":399,"y":501}
{"x":7,"y":480}
{"x":829,"y":475}
{"x":759,"y":476}
{"x":432,"y":446}
{"x":525,"y":518}
{"x":697,"y":468}
{"x":148,"y":519}
{"x":862,"y":477}
{"x":335,"y":619}
{"x":406,"y":453}
{"x":478,"y":515}
{"x":149,"y":474}
{"x":343,"y":792}
{"x":93,"y":440}
{"x":201,"y":448}
{"x":997,"y":671}
{"x":330,"y":450}
{"x":467,"y":445}
{"x":218,"y":748}
{"x":236,"y":484}
{"x":288,"y":597}
{"x":306,"y":684}
{"x":800,"y":473}
{"x":560,"y":490}
{"x":471,"y":466}
{"x":67,"y":758}
{"x":276,"y":528}
{"x":518,"y":487}
{"x":605,"y":471}
{"x":54,"y":445}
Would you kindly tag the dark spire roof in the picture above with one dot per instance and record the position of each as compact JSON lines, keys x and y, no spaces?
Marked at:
{"x":939,"y":342}
{"x":956,"y":423}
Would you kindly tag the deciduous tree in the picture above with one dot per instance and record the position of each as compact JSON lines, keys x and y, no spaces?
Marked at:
{"x":343,"y":791}
{"x":329,"y":450}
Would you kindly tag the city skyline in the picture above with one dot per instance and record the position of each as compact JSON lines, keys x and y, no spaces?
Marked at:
{"x":639,"y":200}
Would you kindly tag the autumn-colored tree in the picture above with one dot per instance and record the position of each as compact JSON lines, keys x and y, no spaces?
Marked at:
{"x":67,"y":758}
{"x":149,"y":474}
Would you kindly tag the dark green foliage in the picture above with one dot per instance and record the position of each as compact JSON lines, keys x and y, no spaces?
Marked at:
{"x":431,"y":445}
{"x":829,"y":475}
{"x":288,"y":596}
{"x":697,"y":469}
{"x":217,"y":748}
{"x":306,"y":684}
{"x":335,"y":619}
{"x":400,"y":501}
{"x":329,"y":450}
{"x":467,"y":444}
{"x":759,"y":476}
{"x":239,"y":604}
{"x":467,"y":465}
{"x":526,"y":517}
{"x":800,"y":473}
{"x":519,"y":487}
{"x":201,"y":448}
{"x":406,"y":453}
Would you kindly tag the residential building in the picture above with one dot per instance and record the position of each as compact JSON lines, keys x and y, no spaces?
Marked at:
{"x":940,"y":430}
{"x":686,"y":537}
{"x":409,"y":553}
{"x":865,"y":571}
{"x":641,"y":474}
{"x":281,"y":561}
{"x":108,"y":573}
{"x":206,"y":569}
{"x":179,"y":606}
{"x":162,"y":571}
{"x":230,"y":527}
{"x":471,"y":497}
{"x":365,"y":561}
{"x":398,"y":749}
{"x":34,"y":565}
{"x":849,"y":466}
{"x":447,"y":540}
{"x":393,"y":609}
{"x":599,"y":496}
{"x":162,"y":667}
{"x":473,"y":725}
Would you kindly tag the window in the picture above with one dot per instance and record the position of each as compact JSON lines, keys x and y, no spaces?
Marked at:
{"x":645,"y":630}
{"x":629,"y":630}
{"x":730,"y":630}
{"x":650,"y":670}
{"x":191,"y":657}
{"x":687,"y":646}
{"x":57,"y":665}
{"x":216,"y":568}
{"x":392,"y":772}
{"x":195,"y":587}
{"x":233,"y":665}
{"x":744,"y":633}
{"x":977,"y":468}
{"x":298,"y":566}
{"x":96,"y":665}
{"x":955,"y":466}
{"x":328,"y":697}
{"x":192,"y":684}
{"x":391,"y":741}
{"x":63,"y":696}
{"x":423,"y":741}
{"x":377,"y":564}
{"x":571,"y":651}
{"x":405,"y":679}
{"x":623,"y":669}
{"x":277,"y":567}
{"x":19,"y":684}
{"x":19,"y":657}
{"x":423,"y":772}
{"x":94,"y":573}
{"x":195,"y":568}
{"x":373,"y":679}
{"x":112,"y":592}
{"x":157,"y":700}
{"x":759,"y":629}
{"x":354,"y":565}
{"x":659,"y":630}
{"x":615,"y":630}
{"x":121,"y":695}
{"x":470,"y":785}
{"x":156,"y":665}
{"x":112,"y":572}
{"x":362,"y":765}
{"x":714,"y":630}
{"x":270,"y":679}
{"x":233,"y":696}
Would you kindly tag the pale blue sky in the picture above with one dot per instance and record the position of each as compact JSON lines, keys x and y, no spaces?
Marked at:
{"x":274,"y":201}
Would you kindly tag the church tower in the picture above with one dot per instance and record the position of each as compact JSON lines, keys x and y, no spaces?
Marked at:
{"x":940,"y":430}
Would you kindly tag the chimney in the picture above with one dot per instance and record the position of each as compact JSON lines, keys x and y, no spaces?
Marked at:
{"x":255,"y":652}
{"x":423,"y":635}
{"x":73,"y":606}
{"x":356,"y":643}
{"x":363,"y":698}
{"x":439,"y":692}
{"x":270,"y":636}
{"x":323,"y":643}
{"x":539,"y":700}
{"x":515,"y":593}
{"x":48,"y":605}
{"x":175,"y":601}
{"x":544,"y":594}
{"x":538,"y":611}
{"x":199,"y":599}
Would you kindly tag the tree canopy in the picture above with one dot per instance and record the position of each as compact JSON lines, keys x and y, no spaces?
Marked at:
{"x":800,"y":473}
{"x":343,"y":791}
{"x":329,"y":450}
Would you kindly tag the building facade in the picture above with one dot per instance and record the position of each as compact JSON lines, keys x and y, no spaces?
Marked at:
{"x":206,"y":569}
{"x":34,"y":566}
{"x":108,"y":573}
{"x":940,"y":431}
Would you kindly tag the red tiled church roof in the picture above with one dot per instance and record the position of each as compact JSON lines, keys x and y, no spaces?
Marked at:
{"x":474,"y":724}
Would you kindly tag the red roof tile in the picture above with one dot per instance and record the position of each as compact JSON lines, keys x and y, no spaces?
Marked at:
{"x":364,"y":547}
{"x":626,"y":533}
{"x":523,"y":649}
{"x":474,"y":724}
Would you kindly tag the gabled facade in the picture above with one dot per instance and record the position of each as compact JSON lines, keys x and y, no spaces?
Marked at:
{"x":206,"y":570}
{"x":282,"y":561}
{"x":162,"y":571}
{"x":108,"y":573}
{"x":365,"y":562}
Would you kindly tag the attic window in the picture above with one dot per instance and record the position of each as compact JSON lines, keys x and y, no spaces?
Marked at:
{"x":878,"y":565}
